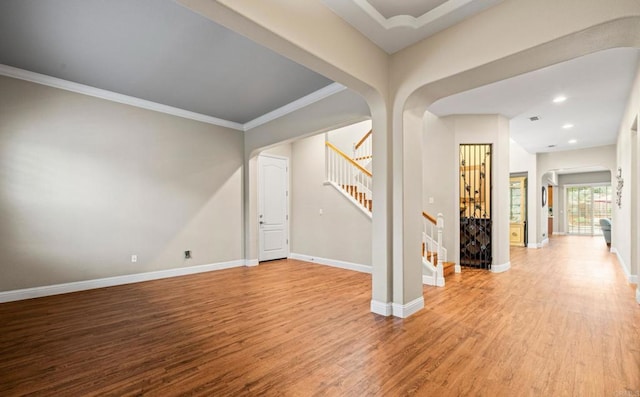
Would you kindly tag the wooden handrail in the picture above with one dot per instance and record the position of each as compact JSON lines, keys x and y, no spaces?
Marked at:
{"x":341,"y":153}
{"x":364,"y":138}
{"x":430,"y":218}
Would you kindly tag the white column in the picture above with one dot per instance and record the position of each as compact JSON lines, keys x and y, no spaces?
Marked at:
{"x":407,"y":212}
{"x":381,"y":275}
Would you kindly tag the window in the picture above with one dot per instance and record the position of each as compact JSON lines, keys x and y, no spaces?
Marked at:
{"x":586,"y":205}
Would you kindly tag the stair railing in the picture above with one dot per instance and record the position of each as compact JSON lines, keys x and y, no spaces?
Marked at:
{"x":363,"y":150}
{"x":349,"y":177}
{"x":432,"y":231}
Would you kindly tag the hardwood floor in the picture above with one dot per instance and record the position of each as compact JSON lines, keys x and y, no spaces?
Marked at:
{"x":562,"y":321}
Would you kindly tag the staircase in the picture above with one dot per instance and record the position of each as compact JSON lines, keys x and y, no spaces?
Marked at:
{"x":363,"y":150}
{"x":350,"y":176}
{"x":359,"y":196}
{"x":435,"y":267}
{"x":432,"y":257}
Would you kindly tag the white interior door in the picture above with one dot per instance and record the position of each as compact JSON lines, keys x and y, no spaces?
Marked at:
{"x":273,"y":217}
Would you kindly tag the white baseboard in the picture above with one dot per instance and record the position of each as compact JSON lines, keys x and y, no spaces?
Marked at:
{"x":332,"y":262}
{"x":501,"y":268}
{"x":56,"y":289}
{"x":381,"y":308}
{"x":396,"y":309}
{"x":457,"y":268}
{"x":638,"y":294}
{"x":432,"y":280}
{"x":428,"y":280}
{"x":404,"y":311}
{"x":630,"y":278}
{"x":539,"y":245}
{"x":251,"y":262}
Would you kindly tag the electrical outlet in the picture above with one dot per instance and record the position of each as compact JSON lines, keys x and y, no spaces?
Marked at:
{"x":134,"y":258}
{"x":187,"y":255}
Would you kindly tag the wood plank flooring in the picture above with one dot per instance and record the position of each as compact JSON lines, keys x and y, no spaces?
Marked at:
{"x":562,"y":321}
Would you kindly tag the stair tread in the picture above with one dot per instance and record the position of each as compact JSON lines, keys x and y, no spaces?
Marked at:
{"x":448,"y":268}
{"x":360,"y":197}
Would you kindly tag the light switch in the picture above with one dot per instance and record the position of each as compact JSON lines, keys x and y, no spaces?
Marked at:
{"x":430,"y":200}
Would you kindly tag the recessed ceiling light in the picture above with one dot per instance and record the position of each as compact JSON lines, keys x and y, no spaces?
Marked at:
{"x":534,"y":118}
{"x":567,"y":126}
{"x":551,"y":146}
{"x":573,"y":141}
{"x":559,"y":99}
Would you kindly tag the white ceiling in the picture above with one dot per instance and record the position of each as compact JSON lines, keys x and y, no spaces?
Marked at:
{"x":394,"y":25}
{"x":155,"y":50}
{"x":597,"y":87}
{"x":414,"y":8}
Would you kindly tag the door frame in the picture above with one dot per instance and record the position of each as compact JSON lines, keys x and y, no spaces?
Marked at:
{"x":259,"y":202}
{"x":590,"y":185}
{"x":483,"y":178}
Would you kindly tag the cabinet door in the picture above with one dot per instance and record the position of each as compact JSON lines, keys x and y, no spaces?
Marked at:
{"x":516,"y":236}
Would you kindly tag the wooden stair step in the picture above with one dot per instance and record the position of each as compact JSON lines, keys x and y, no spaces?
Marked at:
{"x":359,"y":196}
{"x":449,"y":268}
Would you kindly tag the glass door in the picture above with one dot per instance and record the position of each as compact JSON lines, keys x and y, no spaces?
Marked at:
{"x":517,"y":211}
{"x":586,"y":205}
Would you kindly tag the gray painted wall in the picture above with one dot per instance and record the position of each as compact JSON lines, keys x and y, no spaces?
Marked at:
{"x":344,"y":138}
{"x":85,"y":183}
{"x":342,"y":232}
{"x":440,"y":175}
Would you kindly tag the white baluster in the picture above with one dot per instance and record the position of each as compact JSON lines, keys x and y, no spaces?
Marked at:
{"x":440,"y":226}
{"x":424,"y":237}
{"x":333,"y":166}
{"x":329,"y":160}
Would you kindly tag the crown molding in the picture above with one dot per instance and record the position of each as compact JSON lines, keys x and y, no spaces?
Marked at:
{"x":17,"y":73}
{"x":409,"y":21}
{"x":55,"y":82}
{"x":307,"y":100}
